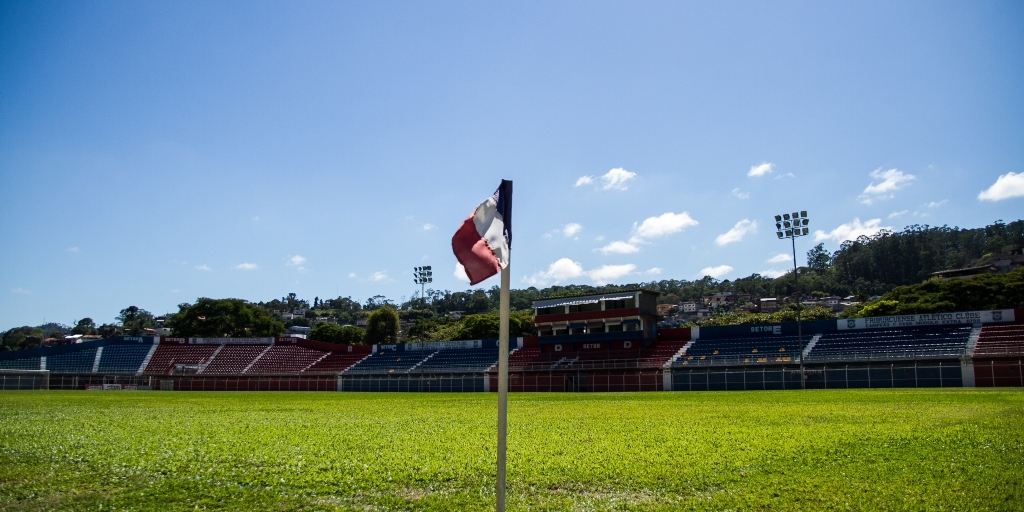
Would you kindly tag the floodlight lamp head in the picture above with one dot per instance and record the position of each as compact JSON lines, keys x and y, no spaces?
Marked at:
{"x":779,"y":233}
{"x":803,"y":213}
{"x":778,"y":226}
{"x":789,"y":232}
{"x":785,"y":216}
{"x":805,"y":221}
{"x":778,"y":218}
{"x":805,"y":231}
{"x":796,"y":215}
{"x":787,"y":224}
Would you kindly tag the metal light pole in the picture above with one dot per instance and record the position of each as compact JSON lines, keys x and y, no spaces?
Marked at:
{"x":792,"y":226}
{"x":422,"y":276}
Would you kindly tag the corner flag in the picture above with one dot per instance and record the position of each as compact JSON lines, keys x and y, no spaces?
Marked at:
{"x":483,"y":241}
{"x":482,"y":245}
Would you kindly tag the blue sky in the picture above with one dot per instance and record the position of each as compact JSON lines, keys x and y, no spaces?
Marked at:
{"x":155,"y":152}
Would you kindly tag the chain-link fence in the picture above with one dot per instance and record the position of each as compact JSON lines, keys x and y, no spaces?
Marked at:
{"x":895,"y":375}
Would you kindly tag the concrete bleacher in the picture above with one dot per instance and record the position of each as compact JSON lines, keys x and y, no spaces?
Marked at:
{"x":27,"y":363}
{"x":284,"y":359}
{"x":166,"y":356}
{"x":123,"y":358}
{"x":460,"y":360}
{"x":79,"y":361}
{"x":389,"y":362}
{"x":742,"y":350}
{"x":998,"y":340}
{"x":335,"y":362}
{"x":233,"y":359}
{"x":904,"y":343}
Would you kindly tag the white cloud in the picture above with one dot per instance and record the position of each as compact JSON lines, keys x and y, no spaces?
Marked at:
{"x":740,"y":195}
{"x":893,"y":215}
{"x":294,"y":261}
{"x":204,"y":267}
{"x":1007,"y":186}
{"x":888,"y":182}
{"x":737,"y":232}
{"x":428,"y":227}
{"x":715,"y":272}
{"x":256,"y":218}
{"x":787,"y":175}
{"x":571,"y":229}
{"x":557,"y":272}
{"x":772,"y":273}
{"x":608,"y":273}
{"x":619,"y":247}
{"x":379,"y":276}
{"x":664,"y":224}
{"x":566,"y":269}
{"x":653,"y":271}
{"x":460,"y":272}
{"x":351,"y":275}
{"x":615,"y":179}
{"x":937,"y":204}
{"x":599,"y":239}
{"x":780,"y":258}
{"x":247,"y":266}
{"x":760,"y":170}
{"x":851,"y":231}
{"x":21,"y":291}
{"x":175,"y":290}
{"x":73,"y":249}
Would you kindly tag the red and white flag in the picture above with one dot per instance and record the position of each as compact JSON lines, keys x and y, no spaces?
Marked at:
{"x":483,"y":241}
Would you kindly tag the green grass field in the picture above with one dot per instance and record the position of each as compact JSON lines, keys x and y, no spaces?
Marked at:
{"x":953,"y":449}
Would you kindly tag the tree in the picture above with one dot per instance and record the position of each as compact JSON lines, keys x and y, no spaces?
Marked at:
{"x":333,"y":333}
{"x":223,"y":318}
{"x":135,"y":321}
{"x":22,"y":338}
{"x":818,"y":259}
{"x":382,"y":326}
{"x":84,"y":326}
{"x":107,"y":330}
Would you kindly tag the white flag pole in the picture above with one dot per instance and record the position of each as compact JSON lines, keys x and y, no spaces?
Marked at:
{"x":502,"y":387}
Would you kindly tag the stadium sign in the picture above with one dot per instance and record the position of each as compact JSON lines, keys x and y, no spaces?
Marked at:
{"x":233,"y":341}
{"x":925,"y":319}
{"x":439,"y":345}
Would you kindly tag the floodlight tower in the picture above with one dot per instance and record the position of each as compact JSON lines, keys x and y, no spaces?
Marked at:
{"x":422,"y":276}
{"x":791,"y":226}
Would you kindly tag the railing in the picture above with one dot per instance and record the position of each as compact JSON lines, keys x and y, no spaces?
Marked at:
{"x":588,"y":364}
{"x":999,"y":351}
{"x":888,"y":355}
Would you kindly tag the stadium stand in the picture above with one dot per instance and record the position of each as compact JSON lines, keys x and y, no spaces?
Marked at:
{"x":28,"y":363}
{"x":390,"y":362}
{"x":123,"y":358}
{"x":837,"y":354}
{"x":79,"y":361}
{"x":905,"y":343}
{"x":460,"y":360}
{"x":335,"y":362}
{"x":166,"y":356}
{"x":284,"y":359}
{"x":742,"y":350}
{"x":1000,"y":340}
{"x":233,"y":359}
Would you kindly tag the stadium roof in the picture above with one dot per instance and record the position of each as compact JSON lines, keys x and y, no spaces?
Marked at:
{"x":587,"y":299}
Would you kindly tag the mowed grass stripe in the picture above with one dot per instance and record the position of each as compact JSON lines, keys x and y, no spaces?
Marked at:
{"x":959,"y":449}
